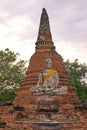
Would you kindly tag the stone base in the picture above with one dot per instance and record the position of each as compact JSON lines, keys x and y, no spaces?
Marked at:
{"x":50,"y":91}
{"x":52,"y":125}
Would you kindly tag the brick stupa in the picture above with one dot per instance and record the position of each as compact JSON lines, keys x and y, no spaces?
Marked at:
{"x":53,"y":112}
{"x":44,"y":49}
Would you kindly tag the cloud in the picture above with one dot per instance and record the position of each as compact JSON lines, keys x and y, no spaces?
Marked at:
{"x":19,"y":20}
{"x":71,"y":21}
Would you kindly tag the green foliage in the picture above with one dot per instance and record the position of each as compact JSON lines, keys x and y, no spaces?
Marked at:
{"x":12,"y":73}
{"x":7,"y":95}
{"x":78,"y":72}
{"x":81,"y":91}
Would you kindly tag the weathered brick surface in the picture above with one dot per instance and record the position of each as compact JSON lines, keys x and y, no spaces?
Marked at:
{"x":27,"y":112}
{"x":44,"y":49}
{"x":36,"y":65}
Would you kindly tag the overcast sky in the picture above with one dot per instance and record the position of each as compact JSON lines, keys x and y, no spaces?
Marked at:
{"x":19,"y":23}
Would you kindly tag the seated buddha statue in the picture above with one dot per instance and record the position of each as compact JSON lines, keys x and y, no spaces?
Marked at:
{"x":48,"y":79}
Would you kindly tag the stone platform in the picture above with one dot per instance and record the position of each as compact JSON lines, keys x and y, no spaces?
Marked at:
{"x":45,"y":113}
{"x":52,"y":125}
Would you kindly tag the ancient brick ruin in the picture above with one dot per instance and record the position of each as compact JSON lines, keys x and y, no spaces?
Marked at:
{"x":53,"y":112}
{"x":44,"y":48}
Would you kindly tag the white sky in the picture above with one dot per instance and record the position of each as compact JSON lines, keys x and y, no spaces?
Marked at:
{"x":19,"y":23}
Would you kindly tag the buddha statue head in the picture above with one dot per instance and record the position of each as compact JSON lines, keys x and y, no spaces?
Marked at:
{"x":48,"y":63}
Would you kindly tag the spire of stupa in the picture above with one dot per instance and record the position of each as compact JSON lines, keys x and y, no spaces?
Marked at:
{"x":44,"y":34}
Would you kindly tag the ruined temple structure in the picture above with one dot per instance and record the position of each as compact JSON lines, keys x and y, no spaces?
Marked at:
{"x":48,"y":111}
{"x":44,"y":48}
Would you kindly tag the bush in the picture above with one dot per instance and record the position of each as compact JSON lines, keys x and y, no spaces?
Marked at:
{"x":7,"y":95}
{"x":81,"y":91}
{"x":77,"y":73}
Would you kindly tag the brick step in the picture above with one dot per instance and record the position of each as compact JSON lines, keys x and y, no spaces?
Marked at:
{"x":70,"y":125}
{"x":35,"y":82}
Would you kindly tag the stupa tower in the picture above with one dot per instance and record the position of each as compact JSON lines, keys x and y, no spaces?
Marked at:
{"x":44,"y":48}
{"x":44,"y":34}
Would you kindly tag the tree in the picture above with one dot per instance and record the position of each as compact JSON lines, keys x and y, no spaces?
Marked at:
{"x":12,"y":71}
{"x":77,"y":73}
